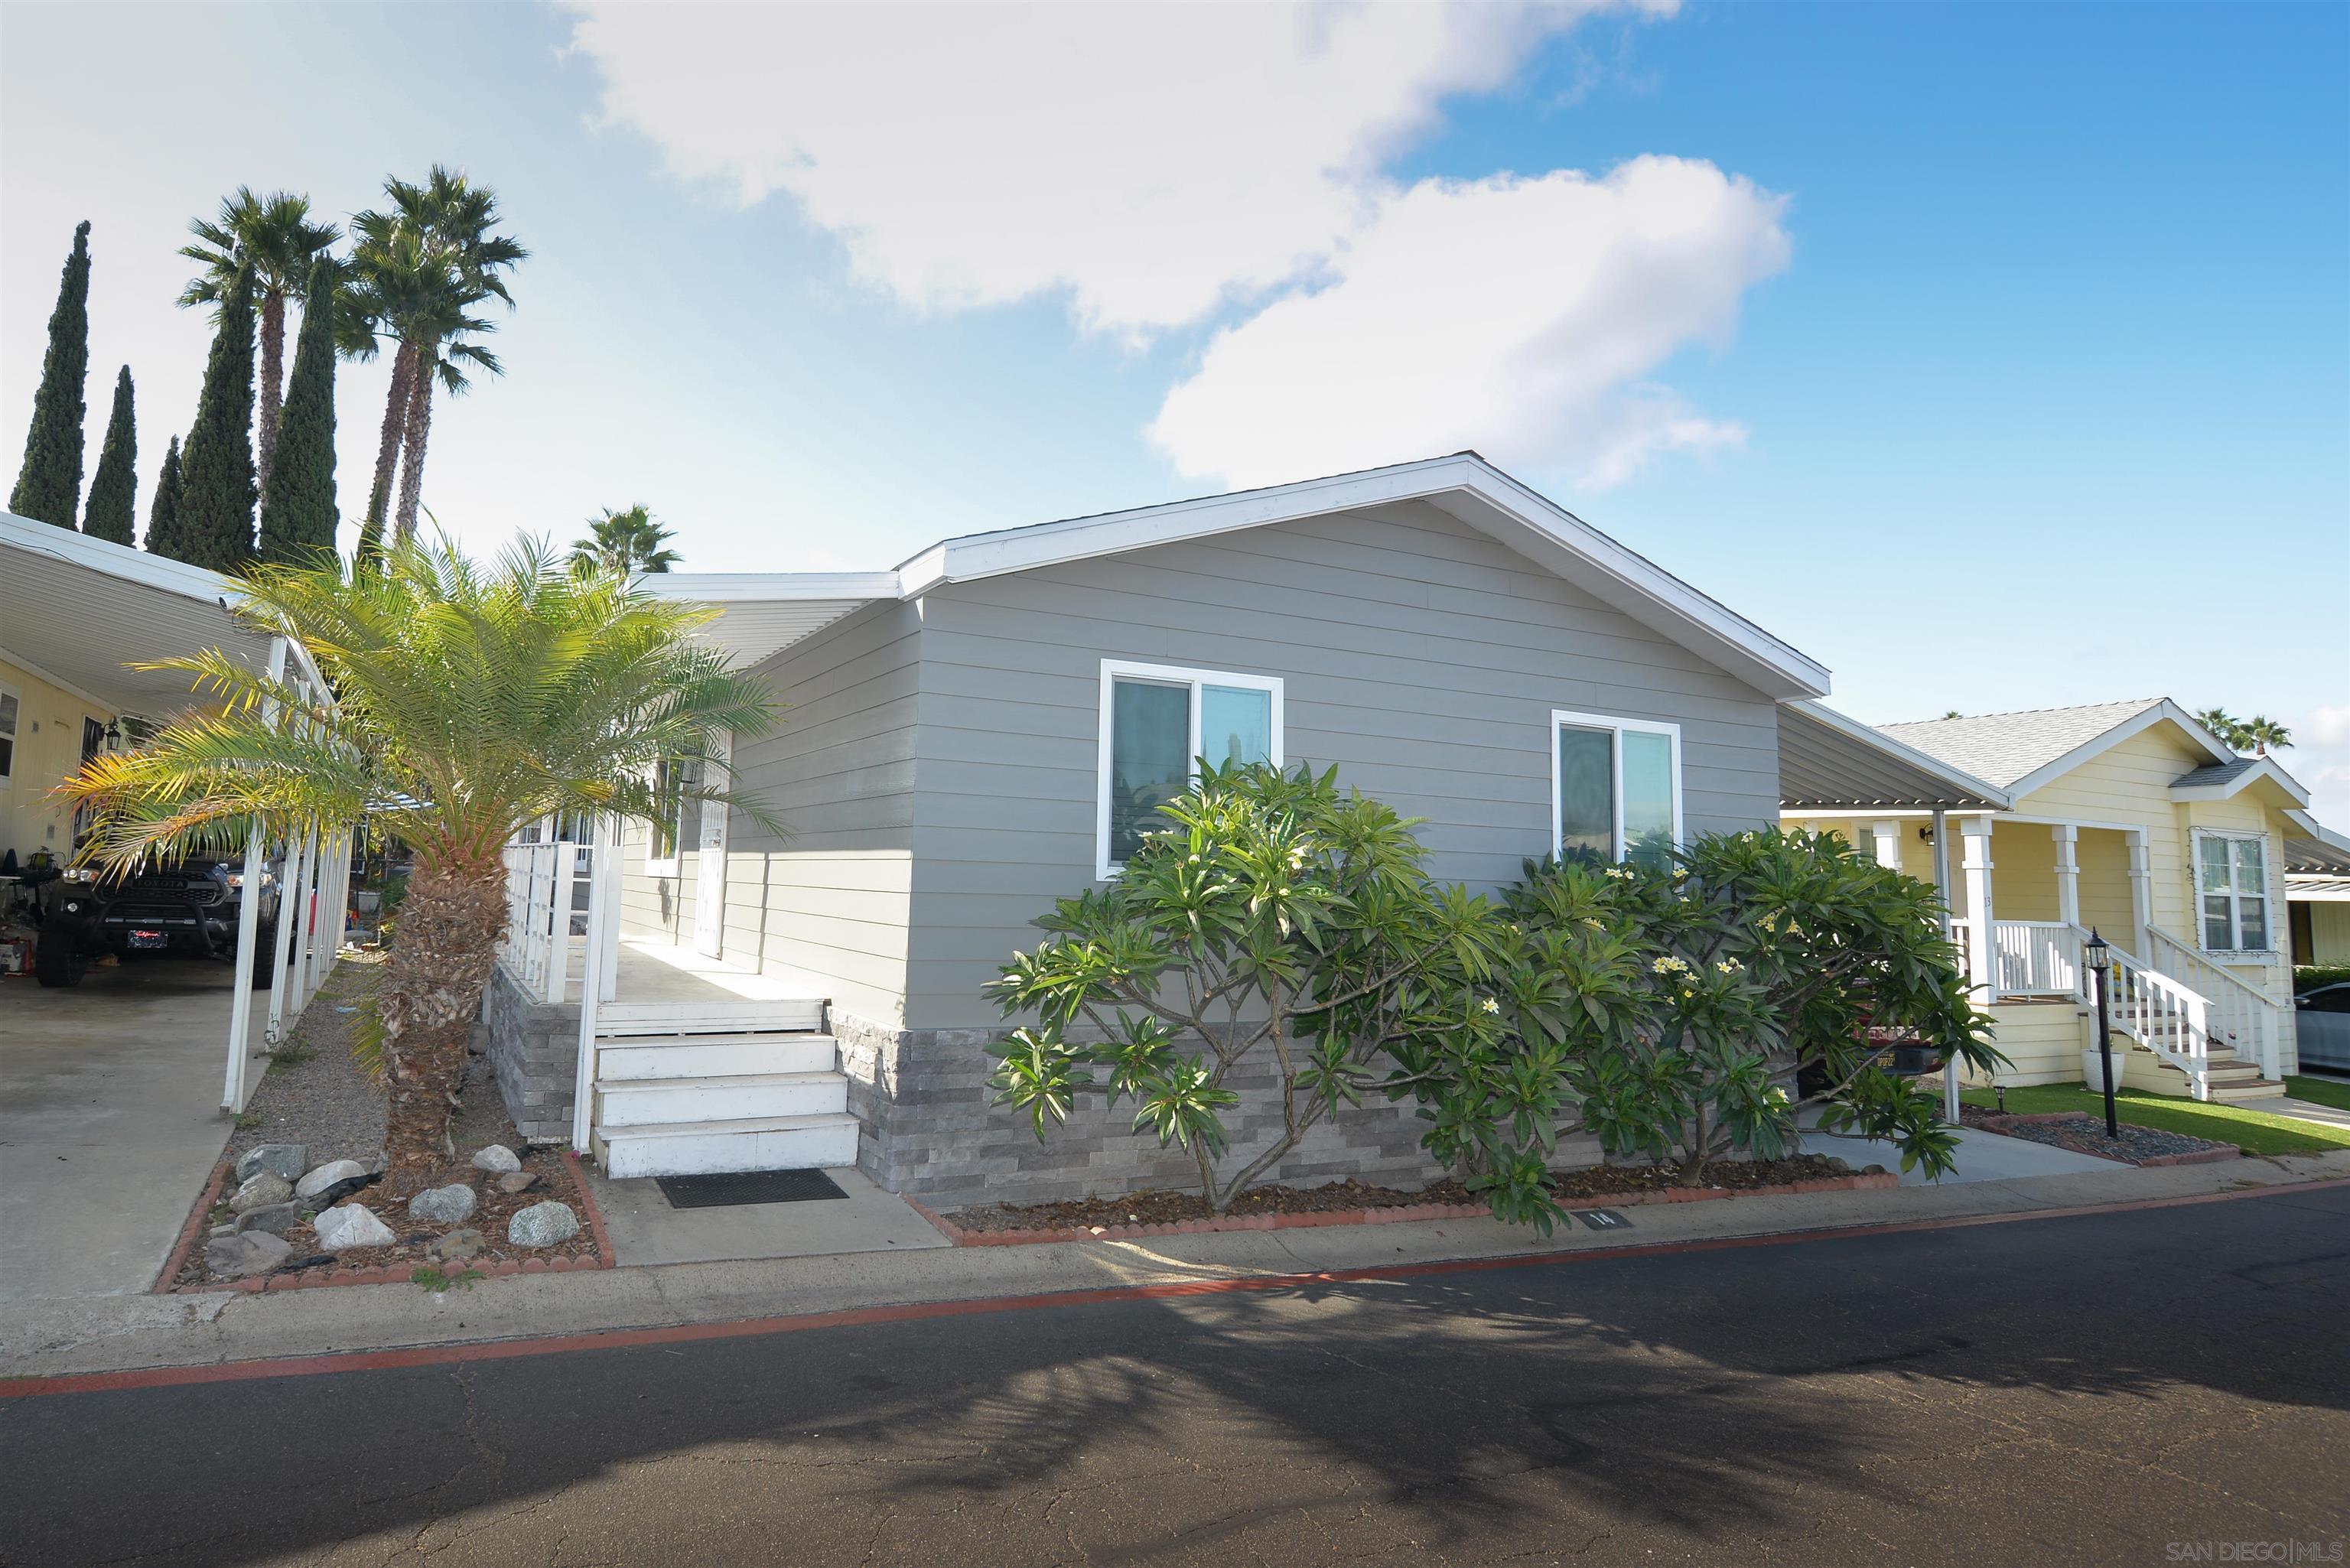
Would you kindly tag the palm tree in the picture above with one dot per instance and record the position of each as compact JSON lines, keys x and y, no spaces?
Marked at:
{"x":2265,"y":734}
{"x":471,"y":701}
{"x":423,"y":265}
{"x":272,"y":234}
{"x":628,"y":541}
{"x":2226,"y":726}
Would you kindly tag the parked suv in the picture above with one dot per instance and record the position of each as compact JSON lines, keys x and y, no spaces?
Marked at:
{"x":189,"y":908}
{"x":2321,"y":1023}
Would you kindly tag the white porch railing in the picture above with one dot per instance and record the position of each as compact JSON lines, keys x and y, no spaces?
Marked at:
{"x":2162,"y":1013}
{"x":548,"y":893}
{"x":2242,"y":1017}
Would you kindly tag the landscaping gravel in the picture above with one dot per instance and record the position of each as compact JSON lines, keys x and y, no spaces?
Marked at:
{"x":2084,"y":1134}
{"x":314,"y":1092}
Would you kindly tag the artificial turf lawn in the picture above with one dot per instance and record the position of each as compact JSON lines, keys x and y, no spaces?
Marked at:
{"x":2254,"y":1132}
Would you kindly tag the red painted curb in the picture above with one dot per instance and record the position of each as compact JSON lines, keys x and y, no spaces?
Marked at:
{"x":197,"y":1219}
{"x":741,"y":1328}
{"x":1395,"y":1215}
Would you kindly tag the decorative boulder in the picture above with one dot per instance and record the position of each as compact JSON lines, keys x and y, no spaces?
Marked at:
{"x":514,"y":1181}
{"x":496,"y":1158}
{"x":335,"y":1192}
{"x":275,"y":1219}
{"x":543,"y":1225}
{"x":457,"y":1245}
{"x":326,"y":1174}
{"x":352,"y":1225}
{"x":261,"y":1188}
{"x":287,"y":1159}
{"x":241,"y":1257}
{"x":442,"y":1205}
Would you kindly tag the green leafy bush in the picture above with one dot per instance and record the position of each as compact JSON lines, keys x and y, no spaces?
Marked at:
{"x":2310,"y":976}
{"x":1664,"y":1009}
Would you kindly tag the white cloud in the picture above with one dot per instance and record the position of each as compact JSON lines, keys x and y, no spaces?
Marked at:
{"x":1520,"y":316}
{"x":1154,"y":161}
{"x":2329,"y":725}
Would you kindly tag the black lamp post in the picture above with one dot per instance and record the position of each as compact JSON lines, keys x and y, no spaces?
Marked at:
{"x":2098,"y":950}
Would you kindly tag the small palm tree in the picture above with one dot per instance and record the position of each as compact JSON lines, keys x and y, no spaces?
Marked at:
{"x":2265,"y":735}
{"x":470,"y":702}
{"x":628,"y":541}
{"x":272,"y":234}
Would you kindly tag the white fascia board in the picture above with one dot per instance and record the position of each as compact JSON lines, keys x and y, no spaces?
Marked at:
{"x":2313,"y":828}
{"x":1464,"y":485}
{"x":1870,"y":736}
{"x":769,"y":588}
{"x":2262,"y":768}
{"x":122,"y":561}
{"x":2137,"y":724}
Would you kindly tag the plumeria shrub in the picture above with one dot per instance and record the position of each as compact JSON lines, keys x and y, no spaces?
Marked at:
{"x":1664,"y":1009}
{"x":1275,"y":919}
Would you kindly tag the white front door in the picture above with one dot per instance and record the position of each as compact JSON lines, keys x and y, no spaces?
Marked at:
{"x":710,"y":864}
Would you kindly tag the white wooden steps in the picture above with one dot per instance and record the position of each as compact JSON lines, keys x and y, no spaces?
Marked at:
{"x":699,"y":1087}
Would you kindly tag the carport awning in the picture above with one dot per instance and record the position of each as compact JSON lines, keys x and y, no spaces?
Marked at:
{"x":1830,"y":763}
{"x":77,"y":612}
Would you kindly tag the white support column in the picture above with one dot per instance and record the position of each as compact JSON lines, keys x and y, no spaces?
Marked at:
{"x":283,"y":978}
{"x":1982,"y":951}
{"x":1943,"y":889}
{"x":602,"y":915}
{"x":2141,"y":873}
{"x":240,"y":1007}
{"x":2068,"y":872}
{"x":1889,"y":843}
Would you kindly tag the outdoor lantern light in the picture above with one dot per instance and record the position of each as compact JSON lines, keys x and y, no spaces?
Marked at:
{"x":2099,"y":956}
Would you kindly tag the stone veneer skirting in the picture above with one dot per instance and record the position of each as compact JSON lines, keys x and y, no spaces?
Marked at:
{"x":534,"y":1050}
{"x":932,"y":1129}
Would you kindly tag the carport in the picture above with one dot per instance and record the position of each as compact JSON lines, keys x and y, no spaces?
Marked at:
{"x":112,"y":1109}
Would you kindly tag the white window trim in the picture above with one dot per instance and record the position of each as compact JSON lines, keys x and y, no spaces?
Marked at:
{"x":2236,"y":922}
{"x":15,"y":737}
{"x":1561,"y":717}
{"x":673,"y":863}
{"x":1167,"y":675}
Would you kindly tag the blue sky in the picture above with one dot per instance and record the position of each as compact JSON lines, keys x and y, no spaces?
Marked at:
{"x":1996,"y":356}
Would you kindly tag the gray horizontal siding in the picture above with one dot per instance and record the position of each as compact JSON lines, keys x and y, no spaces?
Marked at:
{"x":829,"y":896}
{"x":1420,"y":656}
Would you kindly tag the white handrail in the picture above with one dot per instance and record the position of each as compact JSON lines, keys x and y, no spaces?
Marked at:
{"x":2242,"y":1013}
{"x":2162,"y":1013}
{"x":544,"y":882}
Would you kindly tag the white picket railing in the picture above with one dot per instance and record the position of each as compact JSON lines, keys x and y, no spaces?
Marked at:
{"x":2175,"y":1021}
{"x":2162,"y":1013}
{"x":547,"y":890}
{"x":2038,"y":958}
{"x":2243,"y":1018}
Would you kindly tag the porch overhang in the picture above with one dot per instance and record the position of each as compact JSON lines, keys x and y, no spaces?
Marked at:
{"x":2322,"y":852}
{"x":1828,"y":761}
{"x":79,"y":612}
{"x":760,"y":614}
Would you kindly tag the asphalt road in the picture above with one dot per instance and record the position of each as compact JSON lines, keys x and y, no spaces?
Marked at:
{"x":2153,"y":1386}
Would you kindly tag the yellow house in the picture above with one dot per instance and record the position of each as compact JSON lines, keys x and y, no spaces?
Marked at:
{"x":2131,"y":821}
{"x":48,"y":727}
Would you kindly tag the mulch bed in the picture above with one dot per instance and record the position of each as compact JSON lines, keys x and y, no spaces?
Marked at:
{"x":2084,"y":1134}
{"x":1155,"y":1212}
{"x":559,"y":1180}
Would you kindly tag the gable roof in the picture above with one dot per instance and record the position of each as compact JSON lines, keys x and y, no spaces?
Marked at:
{"x":2222,"y":780}
{"x":2021,"y":752}
{"x":1465,"y":487}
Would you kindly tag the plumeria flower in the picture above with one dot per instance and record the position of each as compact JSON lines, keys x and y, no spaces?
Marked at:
{"x":1492,"y":1005}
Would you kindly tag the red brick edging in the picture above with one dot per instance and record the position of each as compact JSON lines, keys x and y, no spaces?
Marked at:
{"x":962,"y":1238}
{"x":2039,"y":1118}
{"x":386,"y":1274}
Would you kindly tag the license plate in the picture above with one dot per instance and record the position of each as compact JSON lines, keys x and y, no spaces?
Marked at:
{"x":148,"y":939}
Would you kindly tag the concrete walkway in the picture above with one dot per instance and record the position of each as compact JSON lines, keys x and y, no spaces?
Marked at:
{"x":2307,"y":1110}
{"x":111,"y":1334}
{"x":646,"y":1228}
{"x":1982,"y":1157}
{"x":110,"y":1122}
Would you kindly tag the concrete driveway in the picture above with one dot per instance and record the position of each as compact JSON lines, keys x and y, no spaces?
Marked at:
{"x":110,"y":1122}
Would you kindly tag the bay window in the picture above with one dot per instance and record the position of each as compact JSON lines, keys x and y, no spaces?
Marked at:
{"x":2231,"y":891}
{"x":1157,"y":722}
{"x":1615,"y":787}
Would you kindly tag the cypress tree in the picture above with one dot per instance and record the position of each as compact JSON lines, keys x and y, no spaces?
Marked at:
{"x":218,"y":489}
{"x":297,"y":508}
{"x":113,"y":510}
{"x":49,"y":484}
{"x":164,"y":517}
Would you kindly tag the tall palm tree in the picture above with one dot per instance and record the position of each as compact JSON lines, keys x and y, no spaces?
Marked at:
{"x":2266,"y":735}
{"x":628,"y":542}
{"x":471,"y":700}
{"x":271,"y":235}
{"x":422,"y":264}
{"x":2226,"y":727}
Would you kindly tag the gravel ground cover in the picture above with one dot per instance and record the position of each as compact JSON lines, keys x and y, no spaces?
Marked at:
{"x":2085,"y":1134}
